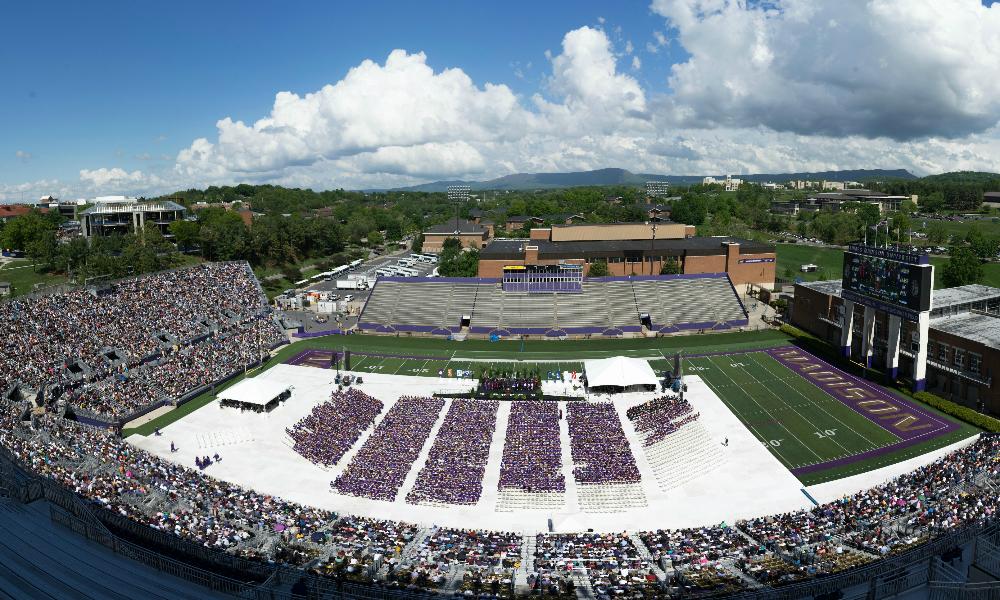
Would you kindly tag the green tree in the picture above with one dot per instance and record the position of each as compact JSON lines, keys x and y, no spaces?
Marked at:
{"x":185,"y":233}
{"x":393,"y":230}
{"x":459,"y":264}
{"x":20,"y":232}
{"x":690,"y":210}
{"x":937,"y":233}
{"x":598,"y":268}
{"x":981,"y":245}
{"x":418,"y":243}
{"x":869,"y":214}
{"x":962,"y":268}
{"x":670,"y":267}
{"x":375,"y":238}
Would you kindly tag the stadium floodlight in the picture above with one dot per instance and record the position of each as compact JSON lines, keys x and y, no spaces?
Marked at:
{"x":657,"y":189}
{"x":459,"y":195}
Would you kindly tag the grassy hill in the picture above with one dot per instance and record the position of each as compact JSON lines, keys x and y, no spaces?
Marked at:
{"x":831,"y":260}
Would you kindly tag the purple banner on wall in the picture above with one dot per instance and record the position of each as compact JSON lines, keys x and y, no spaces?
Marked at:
{"x":909,"y":422}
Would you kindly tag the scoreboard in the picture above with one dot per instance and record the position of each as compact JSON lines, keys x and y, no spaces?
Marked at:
{"x":562,"y":277}
{"x":894,"y":281}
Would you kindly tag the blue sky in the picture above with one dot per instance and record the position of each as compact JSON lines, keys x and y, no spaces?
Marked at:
{"x":127,"y":86}
{"x":87,"y":88}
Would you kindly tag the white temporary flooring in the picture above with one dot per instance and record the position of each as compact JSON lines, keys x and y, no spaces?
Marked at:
{"x":256,"y":453}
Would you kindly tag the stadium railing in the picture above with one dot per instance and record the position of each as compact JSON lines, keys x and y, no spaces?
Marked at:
{"x":241,"y":577}
{"x":253,"y":579}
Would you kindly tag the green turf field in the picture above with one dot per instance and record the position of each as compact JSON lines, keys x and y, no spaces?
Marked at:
{"x":798,"y":421}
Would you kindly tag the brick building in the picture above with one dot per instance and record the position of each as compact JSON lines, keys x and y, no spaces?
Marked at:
{"x":963,"y":350}
{"x":471,"y":235}
{"x":636,"y":248}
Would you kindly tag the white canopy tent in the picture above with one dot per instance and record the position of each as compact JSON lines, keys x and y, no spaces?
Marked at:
{"x":255,"y":392}
{"x":619,"y":371}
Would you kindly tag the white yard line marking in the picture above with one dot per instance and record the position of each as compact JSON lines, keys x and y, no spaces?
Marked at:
{"x":778,"y":421}
{"x":793,"y":409}
{"x":820,"y":406}
{"x":746,"y":422}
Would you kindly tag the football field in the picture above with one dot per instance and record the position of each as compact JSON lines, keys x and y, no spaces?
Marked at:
{"x":800,"y":423}
{"x":817,"y":430}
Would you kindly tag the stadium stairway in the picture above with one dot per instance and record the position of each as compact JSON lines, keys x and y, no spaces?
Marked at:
{"x":528,"y":546}
{"x":39,"y":559}
{"x":647,"y":556}
{"x":584,"y":590}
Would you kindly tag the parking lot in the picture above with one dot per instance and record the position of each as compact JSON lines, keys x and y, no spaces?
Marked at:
{"x":355,"y":298}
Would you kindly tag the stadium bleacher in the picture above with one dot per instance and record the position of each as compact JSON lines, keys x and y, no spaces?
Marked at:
{"x":66,"y":473}
{"x":610,"y":306}
{"x":137,"y":343}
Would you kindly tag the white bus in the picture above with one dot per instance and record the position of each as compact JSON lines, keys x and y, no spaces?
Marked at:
{"x":337,"y":271}
{"x":384,"y":272}
{"x":406,"y":272}
{"x":354,"y":264}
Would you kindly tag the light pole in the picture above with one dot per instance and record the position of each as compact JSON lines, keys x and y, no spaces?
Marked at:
{"x":652,"y":248}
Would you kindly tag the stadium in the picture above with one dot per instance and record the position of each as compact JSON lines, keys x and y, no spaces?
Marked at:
{"x":537,"y":434}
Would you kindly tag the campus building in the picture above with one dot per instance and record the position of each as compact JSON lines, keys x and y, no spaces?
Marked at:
{"x":634,"y":248}
{"x":471,"y":235}
{"x":120,"y":215}
{"x":963,"y":347}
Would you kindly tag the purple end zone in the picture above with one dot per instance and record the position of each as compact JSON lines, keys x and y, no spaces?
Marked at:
{"x":911,"y":423}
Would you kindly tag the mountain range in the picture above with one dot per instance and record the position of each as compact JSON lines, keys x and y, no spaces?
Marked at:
{"x":533,"y":181}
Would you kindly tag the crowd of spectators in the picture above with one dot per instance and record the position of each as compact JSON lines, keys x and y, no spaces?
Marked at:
{"x":600,"y":450}
{"x":893,"y":516}
{"x":658,"y":418}
{"x":677,"y":547}
{"x":115,"y":396}
{"x":110,"y":474}
{"x":42,"y":335}
{"x":457,"y":460}
{"x":113,"y":351}
{"x":611,"y":561}
{"x":381,"y":465}
{"x":532,"y":455}
{"x":329,"y":431}
{"x":217,"y":357}
{"x":102,"y":468}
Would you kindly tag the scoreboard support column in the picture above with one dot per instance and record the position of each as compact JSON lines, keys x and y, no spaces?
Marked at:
{"x":892,"y":352}
{"x":847,"y":328}
{"x":867,"y":335}
{"x":920,"y":357}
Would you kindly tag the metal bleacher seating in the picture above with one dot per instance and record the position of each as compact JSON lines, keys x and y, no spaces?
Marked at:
{"x":687,"y":301}
{"x":529,"y":311}
{"x":587,"y":309}
{"x":423,"y":306}
{"x":620,"y":301}
{"x":382,"y":302}
{"x":604,"y":304}
{"x":39,"y":559}
{"x":462,"y":302}
{"x":488,"y":311}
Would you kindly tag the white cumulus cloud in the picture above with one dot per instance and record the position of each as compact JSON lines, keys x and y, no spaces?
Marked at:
{"x":773,"y":86}
{"x":903,"y":69}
